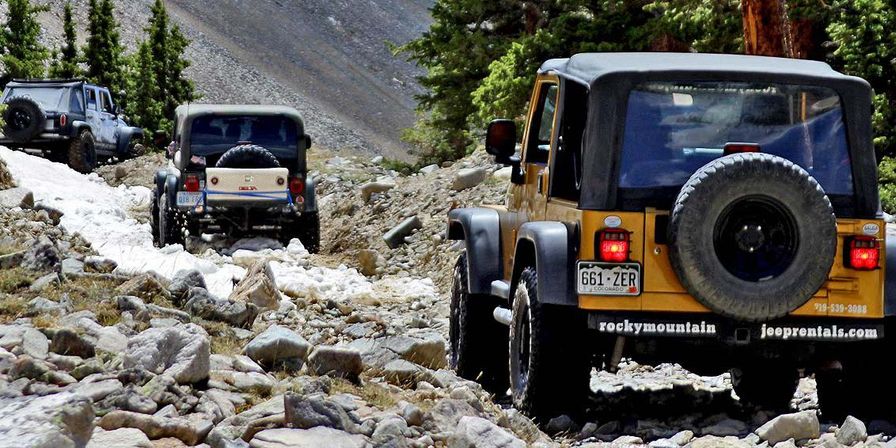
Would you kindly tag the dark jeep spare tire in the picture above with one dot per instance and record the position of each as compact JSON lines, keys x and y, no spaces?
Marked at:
{"x":248,"y":156}
{"x":23,"y":119}
{"x":752,"y":236}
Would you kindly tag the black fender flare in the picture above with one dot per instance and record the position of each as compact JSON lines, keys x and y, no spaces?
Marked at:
{"x":480,"y":229}
{"x":125,"y":136}
{"x":890,"y":279}
{"x":172,"y":185}
{"x":549,"y":246}
{"x":159,"y":180}
{"x":310,"y":195}
{"x":78,"y":126}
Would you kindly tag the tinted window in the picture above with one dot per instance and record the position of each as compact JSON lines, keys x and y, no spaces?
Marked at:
{"x":91,"y":99}
{"x":672,"y":129}
{"x":566,"y":175}
{"x":215,"y":134}
{"x":76,"y":102}
{"x":107,"y":102}
{"x":47,"y":97}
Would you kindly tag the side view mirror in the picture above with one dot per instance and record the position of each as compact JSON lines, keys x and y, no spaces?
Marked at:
{"x":307,"y":142}
{"x":118,"y":110}
{"x":500,"y":140}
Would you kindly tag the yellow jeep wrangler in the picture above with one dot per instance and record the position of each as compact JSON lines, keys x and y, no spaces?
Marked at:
{"x":716,"y":211}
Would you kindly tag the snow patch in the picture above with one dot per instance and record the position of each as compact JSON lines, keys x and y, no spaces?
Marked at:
{"x":102,"y":215}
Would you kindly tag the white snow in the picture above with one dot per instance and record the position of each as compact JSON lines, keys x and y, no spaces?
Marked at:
{"x":102,"y":215}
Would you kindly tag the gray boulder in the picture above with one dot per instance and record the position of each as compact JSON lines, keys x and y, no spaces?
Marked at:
{"x":190,"y":431}
{"x":99,"y":265}
{"x":428,"y":350}
{"x":19,"y":339}
{"x":41,"y":256}
{"x":336,"y":361}
{"x":67,"y":342}
{"x":183,"y":281}
{"x":201,"y":303}
{"x":42,"y":305}
{"x":277,"y":345}
{"x":145,"y":285}
{"x":258,"y":287}
{"x":315,"y":410}
{"x":395,"y":237}
{"x":476,"y":432}
{"x":120,"y":438}
{"x":181,"y":352}
{"x":58,"y":420}
{"x":468,"y":178}
{"x":306,"y":438}
{"x":16,"y":197}
{"x":852,"y":431}
{"x":800,"y":425}
{"x":72,"y":267}
{"x":371,"y":188}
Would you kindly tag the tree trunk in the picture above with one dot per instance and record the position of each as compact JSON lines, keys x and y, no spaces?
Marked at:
{"x":765,"y":27}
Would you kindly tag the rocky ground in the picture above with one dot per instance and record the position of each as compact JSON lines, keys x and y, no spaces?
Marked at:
{"x":238,"y":343}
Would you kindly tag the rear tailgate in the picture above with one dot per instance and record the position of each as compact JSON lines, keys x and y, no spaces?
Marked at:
{"x":247,"y":185}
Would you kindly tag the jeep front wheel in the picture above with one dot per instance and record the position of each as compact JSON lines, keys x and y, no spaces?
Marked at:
{"x":478,"y":343}
{"x":82,"y":152}
{"x":549,"y":373}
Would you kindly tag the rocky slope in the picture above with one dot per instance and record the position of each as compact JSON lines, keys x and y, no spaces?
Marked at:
{"x":328,"y":59}
{"x":344,"y":349}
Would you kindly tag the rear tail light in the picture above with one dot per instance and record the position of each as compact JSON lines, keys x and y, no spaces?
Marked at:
{"x":613,"y":245}
{"x":863,"y":253}
{"x":296,"y":186}
{"x":191,"y":183}
{"x":63,"y":120}
{"x":737,"y":148}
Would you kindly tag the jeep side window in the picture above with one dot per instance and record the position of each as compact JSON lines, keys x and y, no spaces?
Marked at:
{"x":566,"y":173}
{"x":91,"y":99}
{"x":542,"y":126}
{"x":107,"y":102}
{"x":76,"y":102}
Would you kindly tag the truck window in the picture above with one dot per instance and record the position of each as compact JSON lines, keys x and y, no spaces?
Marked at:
{"x":566,"y":174}
{"x":542,"y":126}
{"x":76,"y":102}
{"x":673,"y":128}
{"x":91,"y":98}
{"x":107,"y":103}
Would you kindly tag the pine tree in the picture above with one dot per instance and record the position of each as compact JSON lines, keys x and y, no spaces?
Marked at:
{"x":103,"y":52}
{"x":66,"y":65}
{"x":167,"y":45}
{"x":144,"y":108}
{"x":24,"y":55}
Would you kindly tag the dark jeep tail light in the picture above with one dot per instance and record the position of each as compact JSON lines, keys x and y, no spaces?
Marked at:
{"x":863,"y":253}
{"x":737,"y":148}
{"x":613,"y":245}
{"x":63,"y":120}
{"x":191,"y":183}
{"x":296,"y":186}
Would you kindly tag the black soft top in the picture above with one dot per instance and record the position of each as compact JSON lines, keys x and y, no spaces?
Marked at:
{"x":609,"y":77}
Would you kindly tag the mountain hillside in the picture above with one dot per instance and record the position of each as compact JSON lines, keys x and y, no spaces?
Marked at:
{"x":327,"y":58}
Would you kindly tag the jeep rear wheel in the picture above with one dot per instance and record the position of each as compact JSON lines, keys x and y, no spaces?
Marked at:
{"x":862,"y":386}
{"x":307,"y":229}
{"x":477,"y":343}
{"x":169,"y":226}
{"x":752,"y":236}
{"x":82,"y":152}
{"x":549,"y":372}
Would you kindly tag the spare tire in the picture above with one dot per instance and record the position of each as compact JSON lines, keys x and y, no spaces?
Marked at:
{"x":752,"y":236}
{"x":23,"y":119}
{"x":247,"y":156}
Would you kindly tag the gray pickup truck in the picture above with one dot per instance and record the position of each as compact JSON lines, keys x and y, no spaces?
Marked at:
{"x":68,"y":120}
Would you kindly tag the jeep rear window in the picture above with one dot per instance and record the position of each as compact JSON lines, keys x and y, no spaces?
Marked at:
{"x":213,"y":135}
{"x":48,"y":98}
{"x":672,"y":129}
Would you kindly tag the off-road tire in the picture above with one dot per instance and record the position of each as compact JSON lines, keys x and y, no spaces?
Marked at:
{"x":154,"y":217}
{"x":552,"y":378}
{"x":770,"y":387}
{"x":248,"y":156}
{"x":307,"y":229}
{"x":864,"y":387}
{"x":23,"y":119}
{"x":701,"y":209}
{"x":477,"y":342}
{"x":170,"y":229}
{"x":82,"y":152}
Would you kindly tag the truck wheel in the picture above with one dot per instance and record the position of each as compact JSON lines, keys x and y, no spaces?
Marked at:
{"x":863,"y":387}
{"x":82,"y":152}
{"x":170,"y":230}
{"x":23,"y":119}
{"x":307,"y":229}
{"x":248,"y":156}
{"x":549,"y":372}
{"x":767,"y":386}
{"x":477,"y":342}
